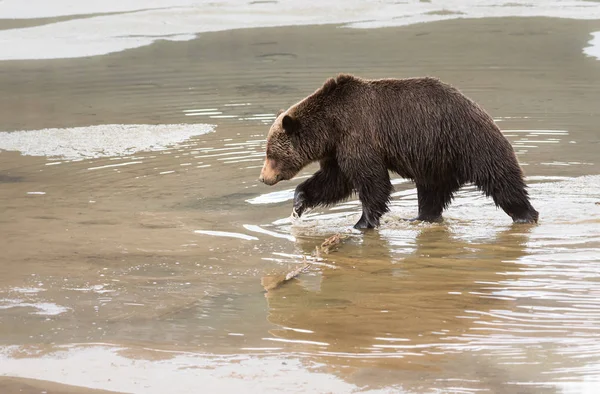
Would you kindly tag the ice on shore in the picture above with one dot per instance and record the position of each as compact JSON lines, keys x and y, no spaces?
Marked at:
{"x":594,"y":48}
{"x":97,"y":28}
{"x":99,"y":141}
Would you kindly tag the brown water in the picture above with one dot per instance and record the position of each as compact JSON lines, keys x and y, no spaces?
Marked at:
{"x":142,"y":273}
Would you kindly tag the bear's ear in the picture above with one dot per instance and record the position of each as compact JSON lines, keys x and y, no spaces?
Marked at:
{"x":280,"y":112}
{"x":343,"y":78}
{"x":329,"y":86}
{"x":290,"y":125}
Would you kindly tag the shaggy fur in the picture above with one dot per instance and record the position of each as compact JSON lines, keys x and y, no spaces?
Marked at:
{"x":420,"y":128}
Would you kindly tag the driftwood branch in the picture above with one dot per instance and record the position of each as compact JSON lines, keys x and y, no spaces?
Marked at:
{"x":274,"y":281}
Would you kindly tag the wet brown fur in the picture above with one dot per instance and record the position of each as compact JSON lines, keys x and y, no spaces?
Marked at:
{"x":420,"y":128}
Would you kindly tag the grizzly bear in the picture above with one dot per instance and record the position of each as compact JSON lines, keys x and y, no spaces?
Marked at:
{"x":421,"y":128}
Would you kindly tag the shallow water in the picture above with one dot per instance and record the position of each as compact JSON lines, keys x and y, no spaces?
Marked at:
{"x":136,"y":266}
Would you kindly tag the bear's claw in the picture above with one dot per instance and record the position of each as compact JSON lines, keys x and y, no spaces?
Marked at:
{"x":299,"y":204}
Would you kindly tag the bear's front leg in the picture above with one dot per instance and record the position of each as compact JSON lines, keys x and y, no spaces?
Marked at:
{"x":326,"y":187}
{"x":364,"y":223}
{"x":433,"y":200}
{"x":371,"y":213}
{"x":374,"y":191}
{"x":300,"y":203}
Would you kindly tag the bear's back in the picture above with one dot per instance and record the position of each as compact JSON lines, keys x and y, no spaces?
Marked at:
{"x":423,"y":126}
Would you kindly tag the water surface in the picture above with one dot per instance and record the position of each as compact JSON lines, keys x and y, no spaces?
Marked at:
{"x":136,"y":267}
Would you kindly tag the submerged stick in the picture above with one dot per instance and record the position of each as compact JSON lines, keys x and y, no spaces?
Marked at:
{"x":274,"y":281}
{"x":330,"y":243}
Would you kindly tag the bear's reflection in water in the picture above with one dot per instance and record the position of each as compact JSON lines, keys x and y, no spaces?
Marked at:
{"x":398,"y":307}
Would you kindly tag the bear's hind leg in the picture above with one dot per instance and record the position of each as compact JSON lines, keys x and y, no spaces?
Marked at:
{"x":509,"y":193}
{"x":326,"y":187}
{"x":432,"y":202}
{"x":515,"y":202}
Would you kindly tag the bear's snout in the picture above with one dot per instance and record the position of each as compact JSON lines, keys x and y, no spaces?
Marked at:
{"x":269,"y":182}
{"x":269,"y":175}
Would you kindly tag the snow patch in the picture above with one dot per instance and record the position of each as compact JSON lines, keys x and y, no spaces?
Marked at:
{"x":99,"y":141}
{"x":138,"y":23}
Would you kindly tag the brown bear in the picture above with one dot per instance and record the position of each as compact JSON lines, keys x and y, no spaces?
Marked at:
{"x":420,"y":128}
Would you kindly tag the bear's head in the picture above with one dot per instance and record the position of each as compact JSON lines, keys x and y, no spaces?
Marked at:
{"x":285,"y":155}
{"x":304,"y":133}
